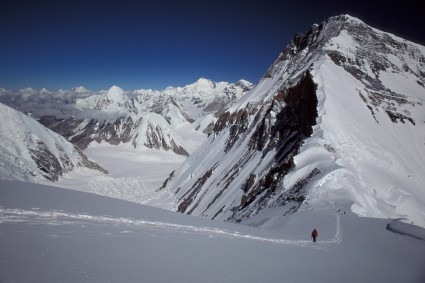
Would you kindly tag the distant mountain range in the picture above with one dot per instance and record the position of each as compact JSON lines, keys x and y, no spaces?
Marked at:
{"x":144,"y":118}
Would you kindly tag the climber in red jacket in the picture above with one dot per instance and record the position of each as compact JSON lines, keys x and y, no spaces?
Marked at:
{"x":314,"y":235}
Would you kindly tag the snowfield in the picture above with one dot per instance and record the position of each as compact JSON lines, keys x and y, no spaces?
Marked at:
{"x":134,"y":175}
{"x":56,"y":235}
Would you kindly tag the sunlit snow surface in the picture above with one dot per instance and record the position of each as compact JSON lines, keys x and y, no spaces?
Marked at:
{"x":55,"y":235}
{"x":379,"y":163}
{"x":134,"y":175}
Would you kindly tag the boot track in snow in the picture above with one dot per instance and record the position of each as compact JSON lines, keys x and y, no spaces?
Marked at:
{"x":56,"y":217}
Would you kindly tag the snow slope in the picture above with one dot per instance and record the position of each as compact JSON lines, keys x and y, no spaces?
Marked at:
{"x":339,"y":116}
{"x":381,"y":160}
{"x":55,"y":235}
{"x":31,"y":152}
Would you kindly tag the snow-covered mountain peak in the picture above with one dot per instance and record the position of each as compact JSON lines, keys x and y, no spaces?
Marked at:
{"x":115,"y":94}
{"x":80,"y":89}
{"x":244,"y":84}
{"x":338,"y":115}
{"x":26,"y":90}
{"x":204,"y":81}
{"x":378,"y":58}
{"x":202,"y":87}
{"x":45,"y":91}
{"x":113,"y":100}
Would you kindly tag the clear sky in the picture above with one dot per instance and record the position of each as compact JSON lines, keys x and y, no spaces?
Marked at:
{"x":155,"y":44}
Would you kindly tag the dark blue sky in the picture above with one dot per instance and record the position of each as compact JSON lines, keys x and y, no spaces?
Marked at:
{"x":154,"y":44}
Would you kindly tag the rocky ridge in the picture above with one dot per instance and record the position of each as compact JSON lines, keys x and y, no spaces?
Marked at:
{"x":256,"y":157}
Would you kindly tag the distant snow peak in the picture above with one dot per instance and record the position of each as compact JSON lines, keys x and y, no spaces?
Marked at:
{"x":205,"y":82}
{"x":244,"y":84}
{"x":115,"y":93}
{"x":201,"y":87}
{"x":45,"y":91}
{"x":112,"y":101}
{"x":26,"y":90}
{"x":79,"y":89}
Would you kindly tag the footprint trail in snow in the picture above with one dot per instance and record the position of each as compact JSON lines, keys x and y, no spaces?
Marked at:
{"x":56,"y":217}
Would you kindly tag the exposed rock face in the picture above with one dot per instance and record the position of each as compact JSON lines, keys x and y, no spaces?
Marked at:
{"x":293,"y":125}
{"x":52,"y":167}
{"x":278,"y":127}
{"x":267,"y":131}
{"x":113,"y":132}
{"x":249,"y":161}
{"x":193,"y":193}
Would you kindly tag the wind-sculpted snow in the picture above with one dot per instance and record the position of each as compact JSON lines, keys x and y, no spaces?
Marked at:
{"x":40,"y":217}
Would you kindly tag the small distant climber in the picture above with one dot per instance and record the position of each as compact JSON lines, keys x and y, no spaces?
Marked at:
{"x":314,"y":235}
